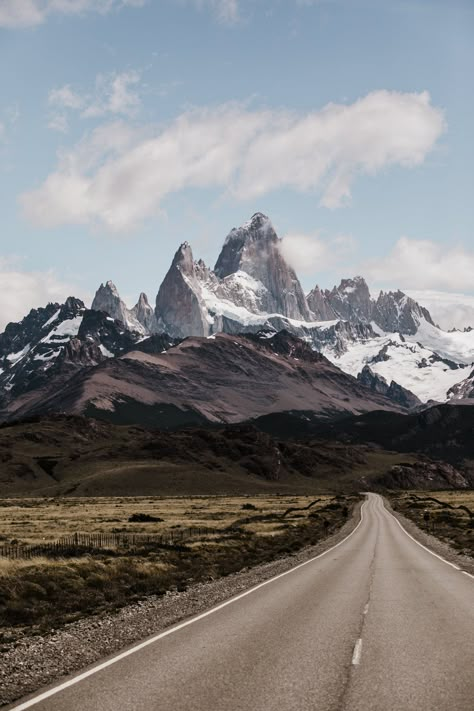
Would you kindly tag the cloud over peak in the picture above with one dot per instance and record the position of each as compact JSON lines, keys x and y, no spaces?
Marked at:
{"x":244,"y":153}
{"x":22,"y":290}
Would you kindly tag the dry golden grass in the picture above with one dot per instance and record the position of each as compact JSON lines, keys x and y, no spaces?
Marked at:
{"x":33,"y":521}
{"x":41,"y":593}
{"x":455,"y":498}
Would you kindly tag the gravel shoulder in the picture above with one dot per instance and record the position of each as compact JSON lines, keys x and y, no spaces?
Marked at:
{"x":36,"y":661}
{"x":442,"y":548}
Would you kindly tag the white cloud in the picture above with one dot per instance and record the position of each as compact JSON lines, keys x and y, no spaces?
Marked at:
{"x":65,"y":98}
{"x":8,"y":119}
{"x":242,"y":152}
{"x":21,"y":291}
{"x":449,"y":310}
{"x":227,"y":11}
{"x":313,"y":253}
{"x":18,"y":14}
{"x":58,"y":122}
{"x":423,"y":264}
{"x":114,"y":94}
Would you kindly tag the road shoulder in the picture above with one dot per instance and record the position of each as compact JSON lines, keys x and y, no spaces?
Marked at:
{"x":434,"y":544}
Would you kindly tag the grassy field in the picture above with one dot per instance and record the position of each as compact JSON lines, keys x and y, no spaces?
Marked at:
{"x":38,"y":594}
{"x":37,"y":520}
{"x":448,"y":515}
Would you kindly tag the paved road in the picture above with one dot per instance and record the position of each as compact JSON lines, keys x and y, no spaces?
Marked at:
{"x":376,"y":623}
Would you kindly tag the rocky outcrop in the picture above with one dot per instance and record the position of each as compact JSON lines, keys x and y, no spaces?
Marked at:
{"x":402,"y":396}
{"x":395,"y":392}
{"x":376,"y":383}
{"x":396,"y":312}
{"x":180,"y":308}
{"x":340,"y":335}
{"x":463,"y":390}
{"x":108,"y":334}
{"x":423,"y":475}
{"x":351,"y":300}
{"x":320,"y":306}
{"x":84,"y":354}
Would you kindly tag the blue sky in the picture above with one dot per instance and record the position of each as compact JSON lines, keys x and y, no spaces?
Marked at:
{"x":129,"y":126}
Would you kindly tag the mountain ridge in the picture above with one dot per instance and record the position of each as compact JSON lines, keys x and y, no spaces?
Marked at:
{"x":251,"y":290}
{"x":222,"y":379}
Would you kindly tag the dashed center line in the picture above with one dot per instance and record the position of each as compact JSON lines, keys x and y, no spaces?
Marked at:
{"x":357,"y":652}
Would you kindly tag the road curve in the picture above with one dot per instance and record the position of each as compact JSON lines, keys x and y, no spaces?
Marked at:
{"x":376,"y":623}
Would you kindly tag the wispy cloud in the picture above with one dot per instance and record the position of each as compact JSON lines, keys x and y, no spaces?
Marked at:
{"x":423,"y":264}
{"x":21,"y":291}
{"x":311,"y":253}
{"x":8,"y":119}
{"x":114,"y":94}
{"x":18,"y":14}
{"x":448,"y":309}
{"x":227,"y":11}
{"x":244,"y":153}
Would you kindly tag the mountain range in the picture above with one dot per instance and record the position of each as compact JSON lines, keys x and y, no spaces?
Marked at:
{"x":232,"y":343}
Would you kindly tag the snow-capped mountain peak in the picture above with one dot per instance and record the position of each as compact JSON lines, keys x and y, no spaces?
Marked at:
{"x":254,"y":249}
{"x":50,"y":344}
{"x":252,"y":288}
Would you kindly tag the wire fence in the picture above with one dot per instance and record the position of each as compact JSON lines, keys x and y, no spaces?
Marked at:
{"x":85,"y":543}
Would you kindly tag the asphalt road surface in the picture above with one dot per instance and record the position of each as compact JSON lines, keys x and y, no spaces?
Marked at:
{"x":377,"y":622}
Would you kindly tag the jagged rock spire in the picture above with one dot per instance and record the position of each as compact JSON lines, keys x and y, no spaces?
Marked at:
{"x":254,"y":248}
{"x":144,"y":313}
{"x":107,"y":299}
{"x":180,"y":309}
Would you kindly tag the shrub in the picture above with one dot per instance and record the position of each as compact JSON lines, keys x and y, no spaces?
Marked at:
{"x":144,"y":518}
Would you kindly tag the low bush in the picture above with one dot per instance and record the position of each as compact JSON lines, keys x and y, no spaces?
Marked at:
{"x":144,"y":518}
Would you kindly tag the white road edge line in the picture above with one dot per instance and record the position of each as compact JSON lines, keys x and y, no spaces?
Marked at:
{"x":357,"y":652}
{"x":456,"y":567}
{"x":75,"y":680}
